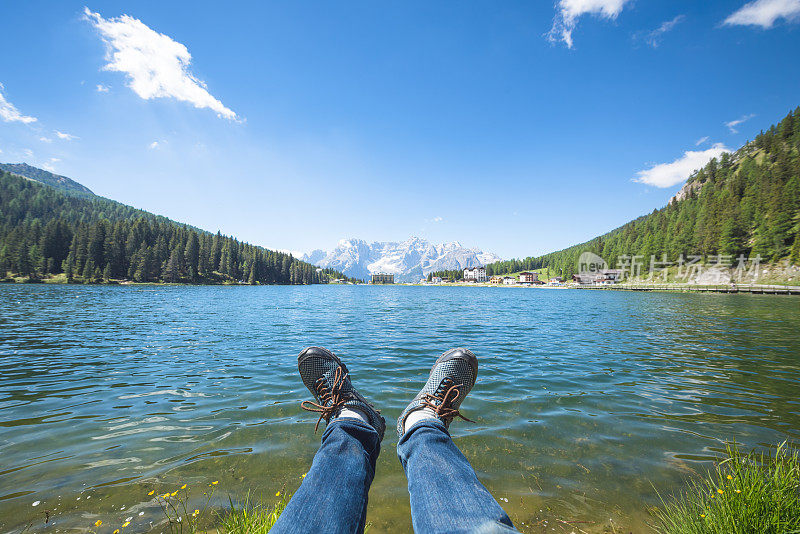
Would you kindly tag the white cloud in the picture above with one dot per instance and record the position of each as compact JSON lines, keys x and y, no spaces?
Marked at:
{"x":569,"y":11}
{"x":733,"y":124}
{"x":9,"y":113}
{"x":45,"y":140}
{"x":153,"y":145}
{"x":437,"y":219}
{"x":157,"y":66}
{"x":102,"y":88}
{"x":669,"y":174}
{"x":48,"y":165}
{"x":764,"y":13}
{"x":65,"y":136}
{"x":701,"y":141}
{"x":653,"y":38}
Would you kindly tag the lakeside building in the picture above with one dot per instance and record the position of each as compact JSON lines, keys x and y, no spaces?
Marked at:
{"x":382,"y":278}
{"x":496,"y":280}
{"x":475,"y":274}
{"x":528,"y":277}
{"x":609,"y":276}
{"x":436,"y":280}
{"x":601,"y":278}
{"x":509,"y":280}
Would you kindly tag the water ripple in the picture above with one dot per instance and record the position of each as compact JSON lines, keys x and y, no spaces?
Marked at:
{"x":585,"y":401}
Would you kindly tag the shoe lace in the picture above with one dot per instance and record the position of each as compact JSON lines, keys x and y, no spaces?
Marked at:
{"x":441,"y":402}
{"x":330,"y":400}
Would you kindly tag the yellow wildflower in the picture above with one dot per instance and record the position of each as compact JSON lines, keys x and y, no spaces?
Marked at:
{"x":125,"y":524}
{"x":165,"y":496}
{"x":183,"y":487}
{"x":196,"y":512}
{"x":702,"y":515}
{"x":730,"y":477}
{"x":98,"y":523}
{"x":215,"y":483}
{"x":174,"y":493}
{"x":304,"y":475}
{"x":116,"y":531}
{"x":278,"y":494}
{"x":720,"y":491}
{"x":152,"y":492}
{"x":738,"y":491}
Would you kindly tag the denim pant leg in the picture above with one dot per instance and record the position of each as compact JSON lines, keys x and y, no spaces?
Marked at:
{"x":446,"y":495}
{"x":333,"y":495}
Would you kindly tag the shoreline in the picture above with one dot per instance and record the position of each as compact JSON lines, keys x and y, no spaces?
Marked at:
{"x":758,"y":289}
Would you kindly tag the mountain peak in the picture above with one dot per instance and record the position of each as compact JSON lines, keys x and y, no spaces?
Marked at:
{"x":46,"y":177}
{"x":409,"y":260}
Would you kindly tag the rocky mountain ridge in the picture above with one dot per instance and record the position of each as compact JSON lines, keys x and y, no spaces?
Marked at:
{"x":409,"y":260}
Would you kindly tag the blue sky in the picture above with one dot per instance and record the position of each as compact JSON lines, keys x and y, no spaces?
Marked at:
{"x":518,"y":127}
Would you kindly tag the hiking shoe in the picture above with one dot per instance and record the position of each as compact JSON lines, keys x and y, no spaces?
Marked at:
{"x":328,"y":380}
{"x":452,"y":377}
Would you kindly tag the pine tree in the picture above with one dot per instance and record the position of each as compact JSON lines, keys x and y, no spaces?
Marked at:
{"x":192,"y":256}
{"x":170,"y":272}
{"x":5,"y":262}
{"x":794,"y":258}
{"x":88,"y":271}
{"x":251,"y":278}
{"x":68,"y":265}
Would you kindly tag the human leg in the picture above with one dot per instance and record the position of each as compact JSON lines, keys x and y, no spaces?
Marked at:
{"x":333,"y":494}
{"x":446,"y":495}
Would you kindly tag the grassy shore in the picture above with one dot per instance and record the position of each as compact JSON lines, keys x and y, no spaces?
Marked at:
{"x":744,"y":493}
{"x":753,"y":492}
{"x":252,"y":516}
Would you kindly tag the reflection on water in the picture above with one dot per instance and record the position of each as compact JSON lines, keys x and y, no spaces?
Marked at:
{"x":585,"y":400}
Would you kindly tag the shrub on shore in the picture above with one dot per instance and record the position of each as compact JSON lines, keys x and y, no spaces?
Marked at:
{"x":744,"y":493}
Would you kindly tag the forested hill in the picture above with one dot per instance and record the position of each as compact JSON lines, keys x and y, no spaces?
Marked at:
{"x":746,"y":203}
{"x":46,"y":177}
{"x":45,"y":232}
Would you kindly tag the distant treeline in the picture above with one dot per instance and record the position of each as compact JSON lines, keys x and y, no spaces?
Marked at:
{"x":44,"y":231}
{"x":457,"y":274}
{"x":746,"y":203}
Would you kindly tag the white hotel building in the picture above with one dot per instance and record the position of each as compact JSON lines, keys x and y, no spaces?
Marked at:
{"x":476,"y":274}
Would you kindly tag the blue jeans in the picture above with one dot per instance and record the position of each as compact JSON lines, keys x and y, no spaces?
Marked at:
{"x":446,"y":495}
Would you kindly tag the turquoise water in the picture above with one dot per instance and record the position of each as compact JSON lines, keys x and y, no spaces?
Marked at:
{"x":587,"y":402}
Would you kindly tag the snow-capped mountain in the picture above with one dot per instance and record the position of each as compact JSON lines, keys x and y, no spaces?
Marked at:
{"x":408,"y":261}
